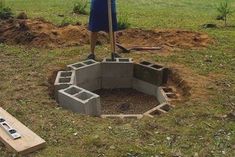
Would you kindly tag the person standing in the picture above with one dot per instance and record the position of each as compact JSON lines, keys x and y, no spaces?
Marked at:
{"x":99,"y":21}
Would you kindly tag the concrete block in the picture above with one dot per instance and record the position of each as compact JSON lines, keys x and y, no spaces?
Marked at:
{"x":123,"y":116}
{"x":91,"y":85}
{"x":63,"y":80}
{"x":116,"y":82}
{"x":153,"y":112}
{"x":161,"y":95}
{"x":144,"y":87}
{"x":86,"y":71}
{"x":121,"y":67}
{"x":151,"y":73}
{"x":164,"y":107}
{"x":117,"y":73}
{"x":80,"y":101}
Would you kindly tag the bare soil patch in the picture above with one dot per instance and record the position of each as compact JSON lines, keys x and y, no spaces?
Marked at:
{"x":42,"y":34}
{"x":125,"y":101}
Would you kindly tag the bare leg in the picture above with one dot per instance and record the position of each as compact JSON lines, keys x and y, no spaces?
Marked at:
{"x":93,"y":40}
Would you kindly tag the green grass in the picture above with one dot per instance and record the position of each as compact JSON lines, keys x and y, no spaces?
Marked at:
{"x":193,"y":127}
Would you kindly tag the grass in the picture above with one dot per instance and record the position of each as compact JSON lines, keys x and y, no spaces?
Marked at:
{"x":195,"y":127}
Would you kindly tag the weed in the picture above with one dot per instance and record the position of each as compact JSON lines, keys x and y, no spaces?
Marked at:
{"x":123,"y":22}
{"x":224,"y":10}
{"x":80,"y":7}
{"x":5,"y":12}
{"x":66,"y":21}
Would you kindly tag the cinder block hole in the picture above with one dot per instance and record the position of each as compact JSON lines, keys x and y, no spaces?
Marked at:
{"x":89,"y":62}
{"x":72,"y":91}
{"x":79,"y":65}
{"x":66,"y":74}
{"x":83,"y":96}
{"x":110,"y":60}
{"x":166,"y":107}
{"x":124,"y":60}
{"x":167,"y":90}
{"x":155,"y":66}
{"x":64,"y":80}
{"x":155,"y":112}
{"x":145,"y":63}
{"x":171,"y":95}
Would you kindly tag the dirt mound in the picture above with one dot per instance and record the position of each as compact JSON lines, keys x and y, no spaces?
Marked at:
{"x":171,"y":38}
{"x":39,"y":33}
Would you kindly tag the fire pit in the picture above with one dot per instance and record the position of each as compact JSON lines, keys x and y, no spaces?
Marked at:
{"x":82,"y":88}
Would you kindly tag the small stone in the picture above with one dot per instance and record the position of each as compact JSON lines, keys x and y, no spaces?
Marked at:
{"x":196,"y":155}
{"x":223,"y":152}
{"x":75,"y":134}
{"x":112,"y":147}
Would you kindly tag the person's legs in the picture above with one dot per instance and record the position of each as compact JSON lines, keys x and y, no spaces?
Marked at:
{"x":93,"y":40}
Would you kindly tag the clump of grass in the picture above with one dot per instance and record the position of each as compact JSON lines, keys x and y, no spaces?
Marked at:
{"x":123,"y":22}
{"x":66,"y":21}
{"x":80,"y":7}
{"x":224,"y":11}
{"x":5,"y":12}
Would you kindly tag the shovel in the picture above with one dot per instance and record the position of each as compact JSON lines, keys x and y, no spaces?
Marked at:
{"x":111,"y":33}
{"x":136,"y":48}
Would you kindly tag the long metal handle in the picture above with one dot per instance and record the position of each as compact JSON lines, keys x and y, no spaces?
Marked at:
{"x":111,"y":33}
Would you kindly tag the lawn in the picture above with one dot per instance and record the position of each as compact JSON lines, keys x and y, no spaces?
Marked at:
{"x":200,"y":126}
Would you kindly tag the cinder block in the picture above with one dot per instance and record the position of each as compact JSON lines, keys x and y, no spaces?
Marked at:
{"x":161,"y":95}
{"x":80,"y":101}
{"x":117,"y":73}
{"x":91,"y":85}
{"x":164,"y":107}
{"x":116,"y":82}
{"x":63,"y":80}
{"x":121,"y":67}
{"x":144,"y":87}
{"x":87,"y":71}
{"x":153,"y":112}
{"x":123,"y":116}
{"x":151,"y":73}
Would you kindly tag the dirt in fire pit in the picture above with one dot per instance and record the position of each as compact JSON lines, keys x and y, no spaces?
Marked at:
{"x":125,"y":101}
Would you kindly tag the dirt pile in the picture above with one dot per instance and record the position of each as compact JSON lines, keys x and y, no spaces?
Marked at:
{"x":39,"y":33}
{"x":170,"y":38}
{"x":42,"y":34}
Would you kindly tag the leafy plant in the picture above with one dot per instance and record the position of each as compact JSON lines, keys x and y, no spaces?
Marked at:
{"x":80,"y":7}
{"x":66,"y":21}
{"x":123,"y":22}
{"x":2,"y":4}
{"x":224,"y":10}
{"x":5,"y":12}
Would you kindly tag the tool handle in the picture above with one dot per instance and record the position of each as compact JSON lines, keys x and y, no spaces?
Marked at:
{"x":111,"y":33}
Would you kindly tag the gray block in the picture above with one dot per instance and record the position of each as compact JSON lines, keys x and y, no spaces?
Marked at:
{"x":80,"y":101}
{"x":117,"y":73}
{"x":151,"y":73}
{"x":144,"y":87}
{"x":116,"y":82}
{"x":121,"y":67}
{"x":86,"y":71}
{"x":91,"y":85}
{"x":63,"y":80}
{"x":161,"y":95}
